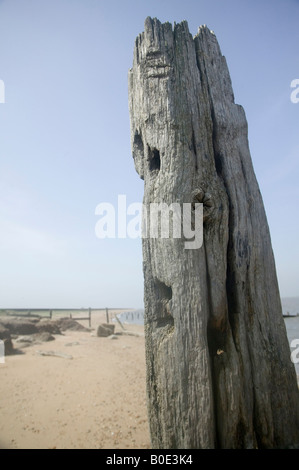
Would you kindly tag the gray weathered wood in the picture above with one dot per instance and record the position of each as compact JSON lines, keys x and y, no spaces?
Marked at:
{"x":218,"y":361}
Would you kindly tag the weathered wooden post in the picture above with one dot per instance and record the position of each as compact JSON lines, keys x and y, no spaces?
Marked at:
{"x":218,"y":360}
{"x":89,"y":317}
{"x":107,"y":315}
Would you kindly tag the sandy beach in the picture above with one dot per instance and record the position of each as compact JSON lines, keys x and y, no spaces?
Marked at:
{"x":94,"y":399}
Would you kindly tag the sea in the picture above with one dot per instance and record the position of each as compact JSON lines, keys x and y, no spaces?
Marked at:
{"x":135,"y":317}
{"x":290,"y":309}
{"x":290,"y":306}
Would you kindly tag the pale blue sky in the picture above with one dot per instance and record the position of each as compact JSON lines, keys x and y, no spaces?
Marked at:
{"x":65,"y":140}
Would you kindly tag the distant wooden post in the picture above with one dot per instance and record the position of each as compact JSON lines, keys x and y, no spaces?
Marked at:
{"x":51,"y":314}
{"x":89,"y":317}
{"x":120,"y":322}
{"x":107,"y":315}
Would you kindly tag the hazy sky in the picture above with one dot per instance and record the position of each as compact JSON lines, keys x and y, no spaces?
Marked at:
{"x":65,"y":138}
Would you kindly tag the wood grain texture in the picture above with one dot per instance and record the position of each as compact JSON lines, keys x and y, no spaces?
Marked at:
{"x":219,"y":373}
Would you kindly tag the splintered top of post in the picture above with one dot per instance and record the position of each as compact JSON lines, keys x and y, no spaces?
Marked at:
{"x":153,"y":25}
{"x":161,"y":37}
{"x":155,"y":33}
{"x":168,"y":79}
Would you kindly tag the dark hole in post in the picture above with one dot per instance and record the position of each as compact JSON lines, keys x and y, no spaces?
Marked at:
{"x":138,"y":143}
{"x":154,"y":159}
{"x":163,"y":292}
{"x":164,"y":317}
